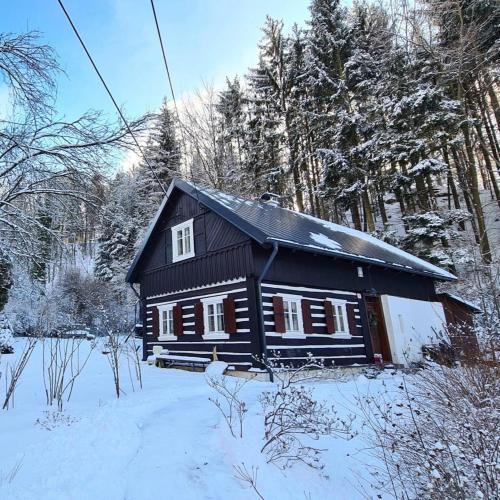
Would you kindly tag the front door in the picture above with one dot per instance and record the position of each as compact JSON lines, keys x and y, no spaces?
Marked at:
{"x":376,"y":325}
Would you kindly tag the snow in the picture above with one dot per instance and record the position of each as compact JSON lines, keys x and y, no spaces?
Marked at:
{"x":216,"y":368}
{"x":382,"y":244}
{"x":323,"y":240}
{"x":165,"y":440}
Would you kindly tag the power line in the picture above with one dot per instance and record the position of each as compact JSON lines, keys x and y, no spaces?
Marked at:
{"x":127,"y":126}
{"x":183,"y":139}
{"x":164,"y":58}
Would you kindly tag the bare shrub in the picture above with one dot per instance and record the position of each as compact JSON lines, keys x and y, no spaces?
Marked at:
{"x":62,"y":365}
{"x":248,"y":477}
{"x":16,"y":371}
{"x":439,"y":438}
{"x":293,"y":419}
{"x":53,"y":419}
{"x":230,"y":404}
{"x":132,"y":352}
{"x":113,"y":350}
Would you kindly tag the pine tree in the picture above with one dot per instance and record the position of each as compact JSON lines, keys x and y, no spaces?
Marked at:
{"x":163,"y":154}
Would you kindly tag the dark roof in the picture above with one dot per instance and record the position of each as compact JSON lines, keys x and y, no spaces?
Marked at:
{"x":267,"y":223}
{"x":465,"y":303}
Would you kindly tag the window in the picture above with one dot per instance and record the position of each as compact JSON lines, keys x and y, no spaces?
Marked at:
{"x":213,"y":312}
{"x":182,"y":241}
{"x":293,"y":314}
{"x":166,"y":317}
{"x":340,"y":316}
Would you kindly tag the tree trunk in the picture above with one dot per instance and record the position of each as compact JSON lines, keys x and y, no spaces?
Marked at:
{"x":489,"y":166}
{"x":476,"y":199}
{"x":465,"y":190}
{"x":356,"y":218}
{"x":368,"y":213}
{"x":493,"y":98}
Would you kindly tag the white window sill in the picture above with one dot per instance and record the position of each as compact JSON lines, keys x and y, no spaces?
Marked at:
{"x":291,"y":335}
{"x":341,"y":335}
{"x":215,"y":336}
{"x":166,"y":338}
{"x":180,"y":258}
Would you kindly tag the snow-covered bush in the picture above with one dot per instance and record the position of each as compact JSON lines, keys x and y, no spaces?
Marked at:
{"x":6,"y":337}
{"x":439,"y":438}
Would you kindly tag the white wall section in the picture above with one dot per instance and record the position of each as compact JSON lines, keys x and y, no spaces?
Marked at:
{"x":410,"y":325}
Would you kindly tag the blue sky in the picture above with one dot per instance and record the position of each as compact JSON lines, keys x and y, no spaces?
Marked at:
{"x":205,"y":41}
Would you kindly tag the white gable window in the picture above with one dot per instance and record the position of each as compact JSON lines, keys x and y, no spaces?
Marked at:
{"x":340,"y":316}
{"x":292,"y":310}
{"x":213,"y":317}
{"x":182,"y":241}
{"x":166,"y":318}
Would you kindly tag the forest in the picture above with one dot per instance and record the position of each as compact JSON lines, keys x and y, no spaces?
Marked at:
{"x":383,"y":116}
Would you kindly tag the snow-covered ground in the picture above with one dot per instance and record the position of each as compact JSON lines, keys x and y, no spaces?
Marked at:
{"x":164,"y":441}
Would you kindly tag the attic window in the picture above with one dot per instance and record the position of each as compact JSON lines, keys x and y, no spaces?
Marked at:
{"x":182,"y":241}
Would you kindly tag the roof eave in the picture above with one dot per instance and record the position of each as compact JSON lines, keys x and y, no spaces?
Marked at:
{"x":364,"y":260}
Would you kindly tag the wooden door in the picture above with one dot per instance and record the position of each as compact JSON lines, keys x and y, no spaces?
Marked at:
{"x":376,"y":325}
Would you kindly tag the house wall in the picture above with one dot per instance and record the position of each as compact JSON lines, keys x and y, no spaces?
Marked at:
{"x":236,"y":351}
{"x":410,"y":325}
{"x":222,"y":252}
{"x":332,"y":348}
{"x":227,"y":261}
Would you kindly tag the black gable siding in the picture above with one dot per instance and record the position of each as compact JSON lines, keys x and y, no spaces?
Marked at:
{"x":222,"y":252}
{"x":315,"y":270}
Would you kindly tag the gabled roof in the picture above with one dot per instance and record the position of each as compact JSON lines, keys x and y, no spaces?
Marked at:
{"x":455,"y":298}
{"x":267,"y":223}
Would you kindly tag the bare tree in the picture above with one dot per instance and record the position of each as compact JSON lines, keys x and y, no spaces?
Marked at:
{"x":47,"y":162}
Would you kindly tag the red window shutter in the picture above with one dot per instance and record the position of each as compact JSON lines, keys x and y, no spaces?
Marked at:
{"x":330,"y":321}
{"x":199,"y":327}
{"x":279,"y":314}
{"x":178,"y":321}
{"x":306,"y":316}
{"x":156,"y":321}
{"x":229,"y":315}
{"x":351,"y":320}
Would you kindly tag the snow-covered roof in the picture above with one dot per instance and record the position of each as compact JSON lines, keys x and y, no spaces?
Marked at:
{"x":463,"y":301}
{"x":268,"y":223}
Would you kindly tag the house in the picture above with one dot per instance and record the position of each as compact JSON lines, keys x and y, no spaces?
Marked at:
{"x":249,"y":278}
{"x":459,"y":314}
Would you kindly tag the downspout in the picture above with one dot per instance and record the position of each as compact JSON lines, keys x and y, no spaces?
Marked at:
{"x":136,"y":293}
{"x":260,"y":308}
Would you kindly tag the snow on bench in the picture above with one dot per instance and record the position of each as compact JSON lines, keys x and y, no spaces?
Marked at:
{"x":182,"y":358}
{"x":164,"y":360}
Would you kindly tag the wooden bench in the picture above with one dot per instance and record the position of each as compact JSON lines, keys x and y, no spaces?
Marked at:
{"x":182,"y":362}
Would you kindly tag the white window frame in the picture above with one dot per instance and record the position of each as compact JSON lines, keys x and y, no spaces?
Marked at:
{"x":216,"y":335}
{"x":166,"y":336}
{"x":299,"y":333}
{"x":342,"y":305}
{"x":175,"y":251}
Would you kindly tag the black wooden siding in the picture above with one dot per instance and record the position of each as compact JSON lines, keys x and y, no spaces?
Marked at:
{"x":226,"y":264}
{"x":236,"y":351}
{"x":320,"y":271}
{"x":342,"y":351}
{"x":222,"y":252}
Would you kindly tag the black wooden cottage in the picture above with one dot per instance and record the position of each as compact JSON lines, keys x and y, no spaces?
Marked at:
{"x":249,"y":278}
